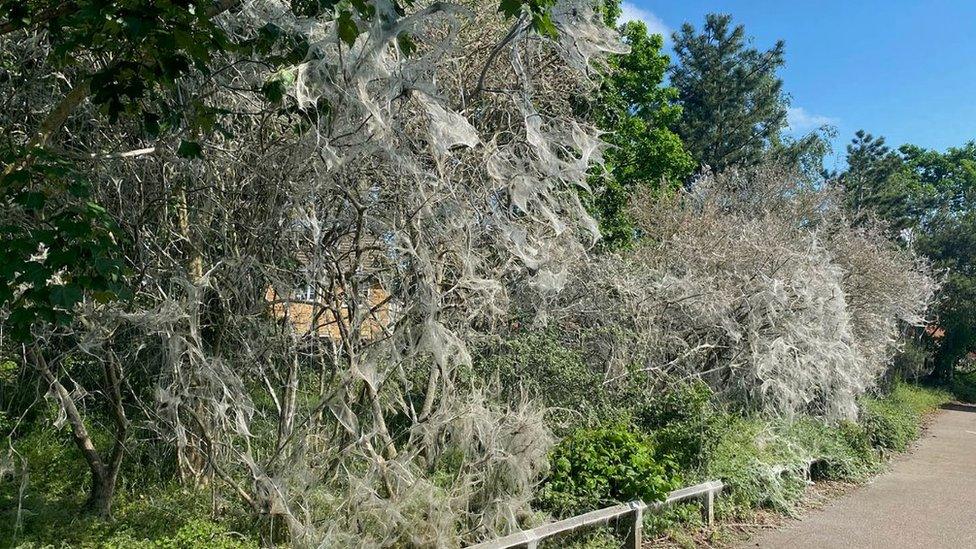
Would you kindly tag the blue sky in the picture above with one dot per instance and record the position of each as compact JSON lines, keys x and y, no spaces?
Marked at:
{"x":898,"y":68}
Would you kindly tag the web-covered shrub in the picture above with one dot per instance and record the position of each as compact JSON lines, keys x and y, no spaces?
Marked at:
{"x":757,"y":284}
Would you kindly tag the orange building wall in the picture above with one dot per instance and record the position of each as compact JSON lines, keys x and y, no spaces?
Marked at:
{"x":301,"y":314}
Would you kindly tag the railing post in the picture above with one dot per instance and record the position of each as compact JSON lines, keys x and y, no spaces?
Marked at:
{"x":710,"y":508}
{"x":635,"y":533}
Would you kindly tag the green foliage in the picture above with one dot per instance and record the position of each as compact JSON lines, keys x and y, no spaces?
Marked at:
{"x":537,"y":10}
{"x":674,"y":521}
{"x":636,"y":110}
{"x":963,"y":387}
{"x":876,"y":181}
{"x":932,"y":196}
{"x":766,"y":463}
{"x":148,"y":43}
{"x":949,"y":241}
{"x":592,"y":468}
{"x":912,"y":361}
{"x":889,"y":426}
{"x":194,"y":534}
{"x":541,"y":366}
{"x":596,"y":538}
{"x":734,"y":106}
{"x":684,"y":422}
{"x":894,"y":421}
{"x":758,"y":466}
{"x":56,"y":245}
{"x":155,"y":514}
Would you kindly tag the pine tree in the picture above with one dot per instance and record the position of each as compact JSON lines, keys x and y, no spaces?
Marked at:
{"x":734,"y":106}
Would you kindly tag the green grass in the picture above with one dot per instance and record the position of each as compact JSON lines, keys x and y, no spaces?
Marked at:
{"x":894,"y":421}
{"x":767,"y":463}
{"x":43,"y":508}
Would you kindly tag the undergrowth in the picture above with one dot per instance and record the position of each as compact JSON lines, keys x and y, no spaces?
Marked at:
{"x":42,"y":506}
{"x":681,"y":437}
{"x":766,"y":463}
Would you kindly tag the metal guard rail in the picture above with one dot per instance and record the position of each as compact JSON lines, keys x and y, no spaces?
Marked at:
{"x":632,"y":513}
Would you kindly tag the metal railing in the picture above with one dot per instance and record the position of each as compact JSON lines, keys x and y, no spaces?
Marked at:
{"x":629,"y":515}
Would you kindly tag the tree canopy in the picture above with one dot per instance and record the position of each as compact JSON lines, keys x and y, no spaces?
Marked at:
{"x":733,"y":101}
{"x":637,"y":111}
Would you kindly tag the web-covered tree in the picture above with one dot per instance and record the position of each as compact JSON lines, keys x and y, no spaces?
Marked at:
{"x":422,"y":153}
{"x":928,"y":199}
{"x":733,"y":101}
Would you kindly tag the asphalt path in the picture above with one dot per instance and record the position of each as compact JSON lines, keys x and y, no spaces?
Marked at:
{"x":927,"y":499}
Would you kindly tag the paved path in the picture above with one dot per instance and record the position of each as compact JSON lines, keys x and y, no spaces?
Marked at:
{"x":928,"y":499}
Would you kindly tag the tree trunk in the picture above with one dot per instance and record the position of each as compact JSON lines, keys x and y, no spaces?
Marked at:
{"x":289,"y":401}
{"x":104,"y":474}
{"x":102,"y":493}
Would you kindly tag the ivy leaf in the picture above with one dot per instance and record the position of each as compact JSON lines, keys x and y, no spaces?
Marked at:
{"x":189,"y":149}
{"x":510,"y":8}
{"x":346,"y":27}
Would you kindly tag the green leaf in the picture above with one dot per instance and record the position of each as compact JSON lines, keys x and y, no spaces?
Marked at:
{"x":510,"y":8}
{"x":274,"y":90}
{"x":346,"y":27}
{"x":65,"y":296}
{"x":542,"y":24}
{"x":406,"y":44}
{"x":189,"y":149}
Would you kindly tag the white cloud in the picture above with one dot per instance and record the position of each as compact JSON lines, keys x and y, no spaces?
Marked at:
{"x":799,"y":120}
{"x":630,"y":12}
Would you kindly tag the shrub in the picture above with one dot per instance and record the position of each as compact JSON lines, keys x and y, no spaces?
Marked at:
{"x":600,"y":466}
{"x":963,"y":386}
{"x":557,"y":375}
{"x":576,"y":391}
{"x":894,"y":421}
{"x":684,"y":422}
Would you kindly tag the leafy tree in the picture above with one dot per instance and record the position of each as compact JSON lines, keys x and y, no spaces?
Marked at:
{"x":734,"y":107}
{"x":945,"y":198}
{"x":928,"y":197}
{"x":149,"y":68}
{"x":877,"y":180}
{"x":637,"y":111}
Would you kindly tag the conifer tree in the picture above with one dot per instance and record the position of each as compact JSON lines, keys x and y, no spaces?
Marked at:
{"x":734,"y":107}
